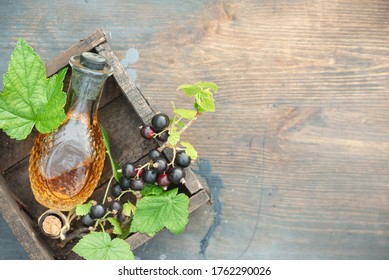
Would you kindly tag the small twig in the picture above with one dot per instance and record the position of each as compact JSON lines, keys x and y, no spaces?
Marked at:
{"x":186,"y":126}
{"x":182,"y":130}
{"x":78,"y":233}
{"x":173,"y":158}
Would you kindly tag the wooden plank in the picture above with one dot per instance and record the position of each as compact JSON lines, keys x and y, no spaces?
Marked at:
{"x":130,"y":91}
{"x":87,"y":44}
{"x":21,"y":224}
{"x":191,"y":182}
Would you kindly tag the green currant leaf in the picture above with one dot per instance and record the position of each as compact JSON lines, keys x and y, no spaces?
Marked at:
{"x":190,"y":90}
{"x":99,"y":246}
{"x":83,"y":209}
{"x":205,"y":101}
{"x":114,"y":164}
{"x":189,"y":150}
{"x":29,"y":98}
{"x":126,"y":232}
{"x":155,"y":212}
{"x":208,"y":85}
{"x":128,"y":209}
{"x":198,"y":108}
{"x":116,"y":225}
{"x":185,"y":113}
{"x":180,"y":124}
{"x":174,"y":137}
{"x":150,"y":189}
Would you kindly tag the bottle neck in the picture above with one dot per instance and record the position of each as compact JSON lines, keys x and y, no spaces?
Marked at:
{"x":83,"y":109}
{"x":85,"y":92}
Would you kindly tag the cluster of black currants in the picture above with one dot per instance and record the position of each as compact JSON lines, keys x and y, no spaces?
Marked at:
{"x":158,"y":128}
{"x":98,"y":211}
{"x":157,"y":171}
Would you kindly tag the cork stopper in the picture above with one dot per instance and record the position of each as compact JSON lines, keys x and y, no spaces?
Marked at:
{"x":93,"y":61}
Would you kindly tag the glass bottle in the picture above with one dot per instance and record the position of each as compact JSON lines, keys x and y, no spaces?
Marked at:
{"x":65,"y":165}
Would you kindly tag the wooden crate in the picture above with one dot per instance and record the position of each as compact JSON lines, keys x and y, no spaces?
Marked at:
{"x":122,"y":110}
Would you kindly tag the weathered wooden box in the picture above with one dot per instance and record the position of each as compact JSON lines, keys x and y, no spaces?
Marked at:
{"x":123,"y":109}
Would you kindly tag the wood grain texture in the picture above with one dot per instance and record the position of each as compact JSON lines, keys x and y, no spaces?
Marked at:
{"x":300,"y":134}
{"x":87,"y":44}
{"x":296,"y":155}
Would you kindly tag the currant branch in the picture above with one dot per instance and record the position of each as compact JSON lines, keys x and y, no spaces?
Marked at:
{"x":149,"y":182}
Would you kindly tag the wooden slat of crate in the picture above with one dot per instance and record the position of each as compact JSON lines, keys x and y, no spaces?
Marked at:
{"x":19,"y":207}
{"x":21,"y":224}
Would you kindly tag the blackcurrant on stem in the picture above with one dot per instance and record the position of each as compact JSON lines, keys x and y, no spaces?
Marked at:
{"x":159,"y":133}
{"x":101,"y":220}
{"x":141,"y":168}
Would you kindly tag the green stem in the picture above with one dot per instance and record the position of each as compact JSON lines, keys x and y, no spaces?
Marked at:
{"x":174,"y":156}
{"x":101,"y":226}
{"x":188,"y":124}
{"x":182,"y":130}
{"x":106,"y":190}
{"x":101,"y":220}
{"x":124,"y":192}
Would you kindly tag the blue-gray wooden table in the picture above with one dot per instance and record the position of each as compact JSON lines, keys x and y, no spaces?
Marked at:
{"x":296,"y":155}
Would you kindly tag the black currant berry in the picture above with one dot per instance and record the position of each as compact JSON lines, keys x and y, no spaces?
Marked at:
{"x":139,"y":172}
{"x":176,"y":174}
{"x":160,"y":121}
{"x":116,"y":206}
{"x":97,"y":211}
{"x":128,"y":170}
{"x":160,"y":164}
{"x":121,"y":217}
{"x":124,"y":183}
{"x":137,"y":184}
{"x":150,"y":175}
{"x":147,"y":132}
{"x":154,"y":153}
{"x":163,"y":136}
{"x":163,"y":180}
{"x":182,"y":159}
{"x":87,"y":220}
{"x":116,"y":190}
